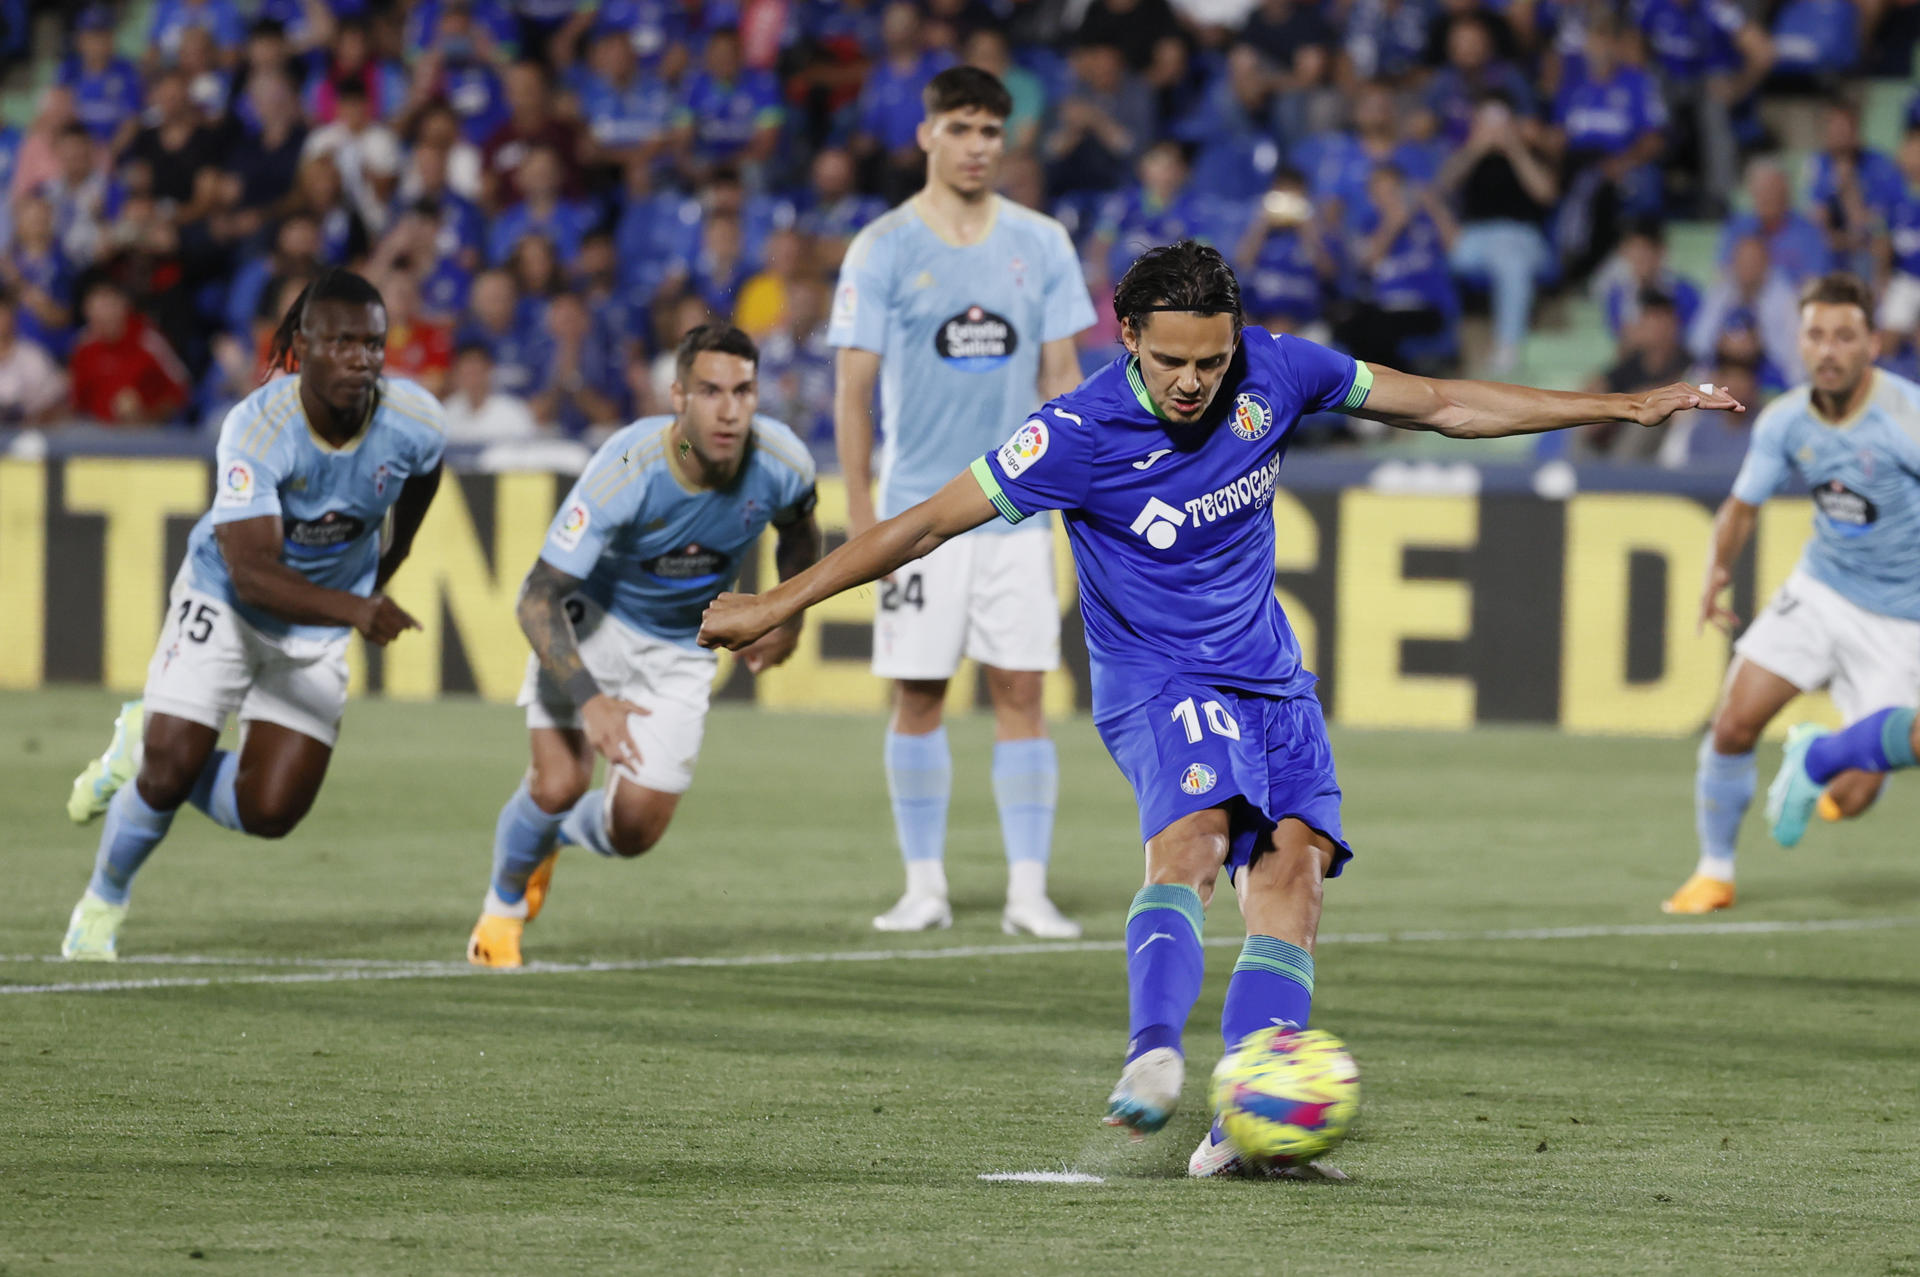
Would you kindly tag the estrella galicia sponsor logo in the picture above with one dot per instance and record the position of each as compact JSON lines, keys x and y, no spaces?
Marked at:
{"x":1252,"y":418}
{"x":1846,"y":512}
{"x":976,"y":340}
{"x":1198,"y":779}
{"x":687,"y":565}
{"x":324,"y":533}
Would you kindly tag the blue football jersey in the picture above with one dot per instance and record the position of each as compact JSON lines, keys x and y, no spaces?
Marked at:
{"x":331,"y":501}
{"x":1172,"y":534}
{"x":1865,"y":479}
{"x":652,"y":551}
{"x":958,"y":329}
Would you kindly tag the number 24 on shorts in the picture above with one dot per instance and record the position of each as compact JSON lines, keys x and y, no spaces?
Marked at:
{"x":894,"y":595}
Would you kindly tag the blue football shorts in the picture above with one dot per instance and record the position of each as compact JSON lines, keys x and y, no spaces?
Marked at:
{"x":1195,"y":746}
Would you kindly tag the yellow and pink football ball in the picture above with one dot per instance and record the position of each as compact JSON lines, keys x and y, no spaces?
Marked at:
{"x":1284,"y":1095}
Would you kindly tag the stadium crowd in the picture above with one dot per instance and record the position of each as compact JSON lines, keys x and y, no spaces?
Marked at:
{"x":549,"y":193}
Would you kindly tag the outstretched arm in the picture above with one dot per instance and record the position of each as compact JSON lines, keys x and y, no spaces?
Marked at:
{"x":542,"y":612}
{"x":795,"y":549}
{"x":1492,"y":409}
{"x":733,"y":621}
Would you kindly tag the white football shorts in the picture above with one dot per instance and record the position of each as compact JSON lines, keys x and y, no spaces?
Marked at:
{"x":989,"y":596}
{"x":211,"y":662}
{"x":672,"y":682}
{"x":1814,"y":637}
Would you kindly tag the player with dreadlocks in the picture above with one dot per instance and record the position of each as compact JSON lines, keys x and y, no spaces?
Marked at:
{"x":278,"y":573}
{"x":1164,"y":464}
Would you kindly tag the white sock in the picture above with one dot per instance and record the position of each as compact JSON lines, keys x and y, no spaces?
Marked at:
{"x":1026,"y":880}
{"x":927,"y":878}
{"x":499,"y":908}
{"x":1712,"y":866}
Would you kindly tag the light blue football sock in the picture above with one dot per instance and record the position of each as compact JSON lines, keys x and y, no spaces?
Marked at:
{"x":920,"y":782}
{"x":1272,"y":982}
{"x":213,"y":793}
{"x":522,"y":838}
{"x":1880,"y":742}
{"x":1722,"y":789}
{"x":585,"y":825}
{"x":1026,"y":785}
{"x":1165,"y":963}
{"x":131,"y":832}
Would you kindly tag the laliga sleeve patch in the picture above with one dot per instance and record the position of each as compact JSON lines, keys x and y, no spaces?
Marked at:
{"x":573,"y":526}
{"x":846,"y":304}
{"x":236,"y":485}
{"x":1028,"y":445}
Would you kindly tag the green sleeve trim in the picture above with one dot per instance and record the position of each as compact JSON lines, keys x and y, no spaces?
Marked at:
{"x":1896,"y":738}
{"x":1174,"y":897}
{"x":983,"y":474}
{"x":1362,"y":386}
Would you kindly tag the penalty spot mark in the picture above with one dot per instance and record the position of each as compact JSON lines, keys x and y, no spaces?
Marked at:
{"x":1042,"y":1177}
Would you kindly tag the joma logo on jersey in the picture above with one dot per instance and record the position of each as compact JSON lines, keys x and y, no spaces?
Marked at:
{"x":976,"y":340}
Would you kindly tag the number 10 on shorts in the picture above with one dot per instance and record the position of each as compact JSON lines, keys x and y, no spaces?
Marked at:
{"x":1219,"y":722}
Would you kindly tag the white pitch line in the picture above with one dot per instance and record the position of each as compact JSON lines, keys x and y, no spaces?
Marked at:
{"x":1042,"y":1177}
{"x":336,"y":970}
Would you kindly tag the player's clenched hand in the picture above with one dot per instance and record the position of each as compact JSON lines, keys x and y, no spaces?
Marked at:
{"x":604,"y":719}
{"x":1712,"y":611}
{"x":382,"y":620}
{"x":771,"y":648}
{"x":733,"y":621}
{"x":1655,"y":406}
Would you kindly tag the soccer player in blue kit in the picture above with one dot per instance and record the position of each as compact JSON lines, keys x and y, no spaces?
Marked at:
{"x":1164,"y":465}
{"x":286,"y":563}
{"x":659,"y":523}
{"x":1848,"y":618}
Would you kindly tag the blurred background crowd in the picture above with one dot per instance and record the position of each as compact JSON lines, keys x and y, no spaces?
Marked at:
{"x":549,"y":192}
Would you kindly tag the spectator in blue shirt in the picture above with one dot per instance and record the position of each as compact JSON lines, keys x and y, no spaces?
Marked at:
{"x":456,"y":68}
{"x":1288,"y":263}
{"x":1754,"y":300}
{"x":835,"y":211}
{"x":890,"y":110}
{"x":731,"y":115}
{"x":1504,"y":185}
{"x":1717,"y":441}
{"x":1816,"y":40}
{"x":85,"y":197}
{"x":219,"y":18}
{"x":620,"y":319}
{"x":628,"y":114}
{"x":796,"y":369}
{"x":1608,"y":127}
{"x":107,"y":95}
{"x":722,"y":266}
{"x":1387,"y":39}
{"x":579,"y":384}
{"x":1710,"y":57}
{"x":650,"y":27}
{"x":1234,"y":128}
{"x":1106,"y":120}
{"x":493,"y":321}
{"x":490,"y":25}
{"x":1411,"y":307}
{"x":1339,"y":166}
{"x":1300,"y":45}
{"x":1852,"y":188}
{"x":459,"y":228}
{"x":1900,"y":250}
{"x":1470,"y":75}
{"x":1795,"y":245}
{"x":38,"y":274}
{"x":1160,"y":208}
{"x":541,"y":210}
{"x":657,"y":233}
{"x":1638,"y":268}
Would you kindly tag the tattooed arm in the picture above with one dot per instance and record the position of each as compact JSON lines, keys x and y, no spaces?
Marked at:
{"x":542,"y":611}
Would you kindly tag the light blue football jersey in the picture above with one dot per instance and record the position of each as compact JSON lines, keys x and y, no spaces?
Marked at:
{"x":652,"y":551}
{"x":1864,"y":477}
{"x":958,"y":329}
{"x":331,"y":501}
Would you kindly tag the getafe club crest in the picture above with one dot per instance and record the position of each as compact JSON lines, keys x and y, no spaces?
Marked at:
{"x":1252,"y":418}
{"x":1198,"y":779}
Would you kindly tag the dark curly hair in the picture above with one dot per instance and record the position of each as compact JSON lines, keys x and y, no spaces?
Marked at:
{"x":1187,"y":276}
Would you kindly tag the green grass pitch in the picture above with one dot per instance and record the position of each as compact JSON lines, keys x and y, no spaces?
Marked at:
{"x":1691,"y":1099}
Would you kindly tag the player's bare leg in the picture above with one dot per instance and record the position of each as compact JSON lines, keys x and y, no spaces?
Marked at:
{"x":559,"y":773}
{"x":1026,"y":784}
{"x":638,"y":816}
{"x":1850,"y":794}
{"x":1165,"y":964}
{"x":265,"y":789}
{"x":1751,"y":698}
{"x":920,"y":782}
{"x":1280,"y":896}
